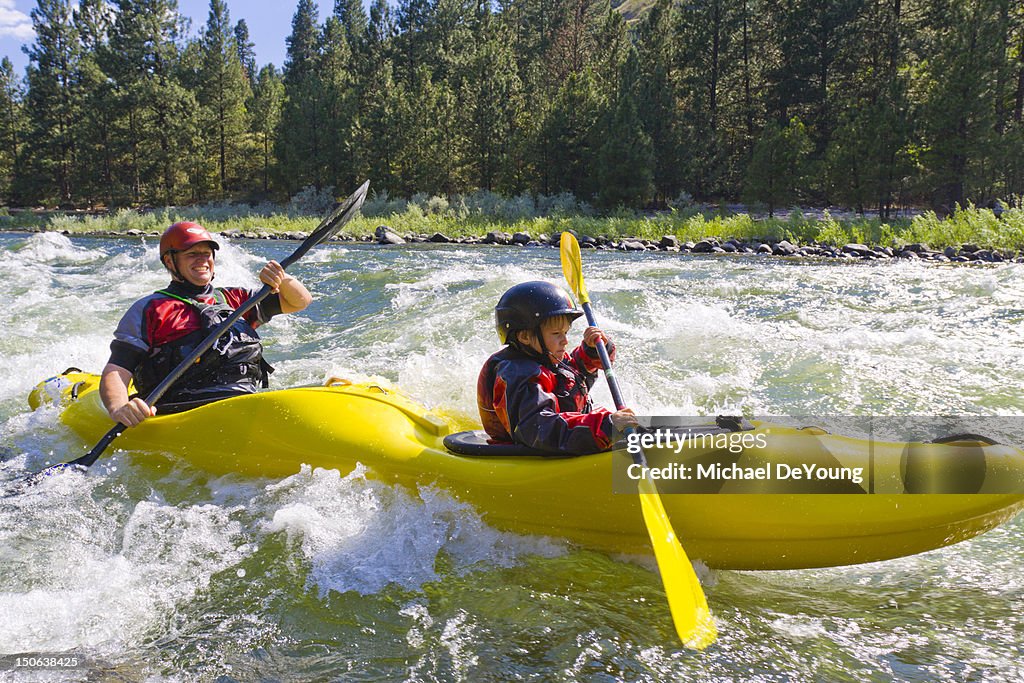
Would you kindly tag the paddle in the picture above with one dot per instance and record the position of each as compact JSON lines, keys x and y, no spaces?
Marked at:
{"x":329,"y":226}
{"x":686,"y":599}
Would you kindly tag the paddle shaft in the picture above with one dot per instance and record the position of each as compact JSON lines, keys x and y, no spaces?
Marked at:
{"x":606,"y":361}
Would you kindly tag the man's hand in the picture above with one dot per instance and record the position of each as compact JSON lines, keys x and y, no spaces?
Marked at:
{"x":293,"y":295}
{"x":133,"y":412}
{"x":273,"y":276}
{"x":114,"y":393}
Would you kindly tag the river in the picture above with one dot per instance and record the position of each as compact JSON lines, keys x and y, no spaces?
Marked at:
{"x":184,"y":577}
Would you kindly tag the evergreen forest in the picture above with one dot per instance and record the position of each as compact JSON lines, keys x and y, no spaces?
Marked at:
{"x":870,"y":104}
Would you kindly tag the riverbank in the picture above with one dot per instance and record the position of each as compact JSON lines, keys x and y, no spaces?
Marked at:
{"x":969,"y":235}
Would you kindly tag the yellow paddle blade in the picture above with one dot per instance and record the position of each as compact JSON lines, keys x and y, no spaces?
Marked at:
{"x":686,"y":600}
{"x":572,"y":266}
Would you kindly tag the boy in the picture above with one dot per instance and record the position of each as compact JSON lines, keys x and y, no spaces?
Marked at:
{"x":534,"y":393}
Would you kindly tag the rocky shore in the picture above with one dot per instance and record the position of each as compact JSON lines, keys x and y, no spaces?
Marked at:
{"x":712,"y":245}
{"x":768,"y":246}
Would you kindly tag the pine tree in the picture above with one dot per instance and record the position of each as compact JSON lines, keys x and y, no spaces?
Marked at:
{"x":341,"y":103}
{"x":868,"y":154}
{"x":957,"y":112}
{"x":380,"y":32}
{"x":656,"y":92}
{"x":52,"y":106}
{"x":155,"y":115}
{"x":268,"y":98}
{"x":353,"y":18}
{"x":12,"y":128}
{"x":626,"y":158}
{"x":301,"y":145}
{"x":492,"y":106}
{"x":571,"y":137}
{"x":779,"y":167}
{"x":246,"y":52}
{"x":223,"y":91}
{"x":703,"y":33}
{"x":378,"y":131}
{"x":93,"y":177}
{"x":424,"y":158}
{"x":412,"y":18}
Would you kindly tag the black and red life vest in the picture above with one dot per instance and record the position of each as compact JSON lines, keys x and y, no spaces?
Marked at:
{"x":234,"y":365}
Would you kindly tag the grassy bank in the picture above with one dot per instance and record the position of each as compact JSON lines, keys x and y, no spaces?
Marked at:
{"x":967,"y":226}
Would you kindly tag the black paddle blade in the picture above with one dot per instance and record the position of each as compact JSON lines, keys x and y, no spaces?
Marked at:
{"x":36,"y":477}
{"x":341,"y":214}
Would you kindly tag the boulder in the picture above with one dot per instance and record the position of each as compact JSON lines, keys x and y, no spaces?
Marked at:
{"x":860,"y":250}
{"x":384,"y":235}
{"x":785,"y":248}
{"x":498,"y":237}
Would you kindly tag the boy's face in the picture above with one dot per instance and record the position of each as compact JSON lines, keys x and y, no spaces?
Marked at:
{"x":554,"y":333}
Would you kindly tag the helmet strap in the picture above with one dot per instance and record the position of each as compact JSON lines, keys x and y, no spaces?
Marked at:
{"x":529,"y":350}
{"x":175,"y":273}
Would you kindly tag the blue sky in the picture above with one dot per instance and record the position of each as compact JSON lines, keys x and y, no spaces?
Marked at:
{"x":269,"y":23}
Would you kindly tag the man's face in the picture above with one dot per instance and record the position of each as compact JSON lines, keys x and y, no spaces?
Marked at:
{"x":195,"y":264}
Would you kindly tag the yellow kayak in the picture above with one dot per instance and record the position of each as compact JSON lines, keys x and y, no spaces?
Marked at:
{"x":795,"y":498}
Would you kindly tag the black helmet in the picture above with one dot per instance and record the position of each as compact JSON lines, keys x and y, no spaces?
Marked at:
{"x":526,"y":305}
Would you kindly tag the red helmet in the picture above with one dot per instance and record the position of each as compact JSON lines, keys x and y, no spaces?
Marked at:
{"x":184,"y":235}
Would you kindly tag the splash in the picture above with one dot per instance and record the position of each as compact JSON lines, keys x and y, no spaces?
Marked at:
{"x":361,"y":535}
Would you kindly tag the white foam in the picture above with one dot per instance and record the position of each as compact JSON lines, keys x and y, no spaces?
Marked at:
{"x":103,"y":578}
{"x":362,"y":535}
{"x":54,"y":247}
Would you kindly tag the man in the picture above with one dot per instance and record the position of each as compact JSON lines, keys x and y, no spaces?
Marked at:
{"x":162,"y":329}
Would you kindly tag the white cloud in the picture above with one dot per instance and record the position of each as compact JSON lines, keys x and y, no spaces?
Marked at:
{"x":14,"y":23}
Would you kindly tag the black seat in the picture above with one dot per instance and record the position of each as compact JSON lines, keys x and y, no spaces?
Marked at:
{"x":475,"y":443}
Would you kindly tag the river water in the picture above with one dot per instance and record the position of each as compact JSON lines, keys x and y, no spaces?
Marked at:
{"x":319,"y":577}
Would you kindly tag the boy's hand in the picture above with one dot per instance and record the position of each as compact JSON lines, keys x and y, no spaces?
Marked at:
{"x":592,"y":335}
{"x":624,"y":419}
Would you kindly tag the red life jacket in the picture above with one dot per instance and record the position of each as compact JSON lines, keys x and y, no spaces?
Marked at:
{"x":234,"y":365}
{"x":541,"y":405}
